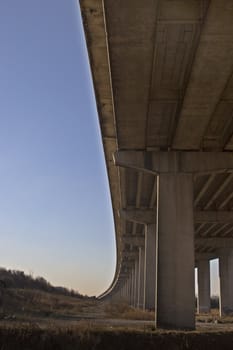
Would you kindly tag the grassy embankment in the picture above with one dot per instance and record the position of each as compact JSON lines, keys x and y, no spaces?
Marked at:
{"x":34,"y":305}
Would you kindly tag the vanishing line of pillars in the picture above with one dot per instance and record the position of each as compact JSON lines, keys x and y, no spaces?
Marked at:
{"x":146,"y":292}
{"x":170,"y":282}
{"x":168,"y":287}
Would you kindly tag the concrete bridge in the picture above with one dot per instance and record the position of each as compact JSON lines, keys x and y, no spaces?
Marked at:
{"x":163,"y":78}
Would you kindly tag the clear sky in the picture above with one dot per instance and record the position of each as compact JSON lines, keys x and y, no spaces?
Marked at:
{"x":55,"y":212}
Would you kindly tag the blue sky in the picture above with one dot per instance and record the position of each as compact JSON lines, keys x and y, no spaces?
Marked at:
{"x":55,"y":211}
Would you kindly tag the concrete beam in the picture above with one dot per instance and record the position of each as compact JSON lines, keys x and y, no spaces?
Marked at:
{"x":125,"y":270}
{"x":129,"y":254}
{"x":203,"y":256}
{"x":213,"y":217}
{"x":206,"y":84}
{"x":216,"y":242}
{"x":175,"y":162}
{"x":127,"y":263}
{"x":147,"y":216}
{"x":123,"y":276}
{"x":134,"y":240}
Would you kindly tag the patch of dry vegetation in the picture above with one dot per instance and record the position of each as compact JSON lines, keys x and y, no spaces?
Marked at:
{"x":123,"y":310}
{"x":214,"y":317}
{"x":27,"y":303}
{"x":27,"y":338}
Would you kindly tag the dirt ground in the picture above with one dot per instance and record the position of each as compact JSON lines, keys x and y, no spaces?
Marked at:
{"x":73,"y":338}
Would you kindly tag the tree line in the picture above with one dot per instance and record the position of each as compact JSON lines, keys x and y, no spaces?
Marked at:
{"x":18,"y":279}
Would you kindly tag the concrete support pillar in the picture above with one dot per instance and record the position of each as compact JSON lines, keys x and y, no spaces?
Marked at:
{"x":123,"y":291}
{"x":203,"y":278}
{"x":175,"y":299}
{"x":141,"y":279}
{"x":136,"y":269}
{"x":226,"y":282}
{"x":117,"y":296}
{"x":129,"y":280}
{"x":126,"y":291}
{"x":132,"y":287}
{"x":150,"y":268}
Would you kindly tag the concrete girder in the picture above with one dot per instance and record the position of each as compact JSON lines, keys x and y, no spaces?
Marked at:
{"x":213,"y":217}
{"x":125,"y":269}
{"x":127,"y":263}
{"x":204,"y":188}
{"x":226,"y":200}
{"x":123,"y":276}
{"x":205,"y":256}
{"x":225,"y":183}
{"x":129,"y":254}
{"x":148,"y":216}
{"x":206,"y":85}
{"x":206,"y":231}
{"x":134,"y":240}
{"x":175,"y":162}
{"x":216,"y":242}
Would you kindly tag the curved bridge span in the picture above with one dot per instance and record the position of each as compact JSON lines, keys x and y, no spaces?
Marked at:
{"x":163,"y":79}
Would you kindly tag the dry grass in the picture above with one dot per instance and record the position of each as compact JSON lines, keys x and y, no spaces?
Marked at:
{"x":32,"y":303}
{"x":27,"y":338}
{"x":53,"y":332}
{"x":214,"y":317}
{"x":123,"y":310}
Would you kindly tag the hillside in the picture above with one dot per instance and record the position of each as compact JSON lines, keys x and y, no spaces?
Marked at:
{"x":20,"y":280}
{"x":25,"y":298}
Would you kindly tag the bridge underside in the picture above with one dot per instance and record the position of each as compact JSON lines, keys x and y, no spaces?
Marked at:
{"x":163,"y":78}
